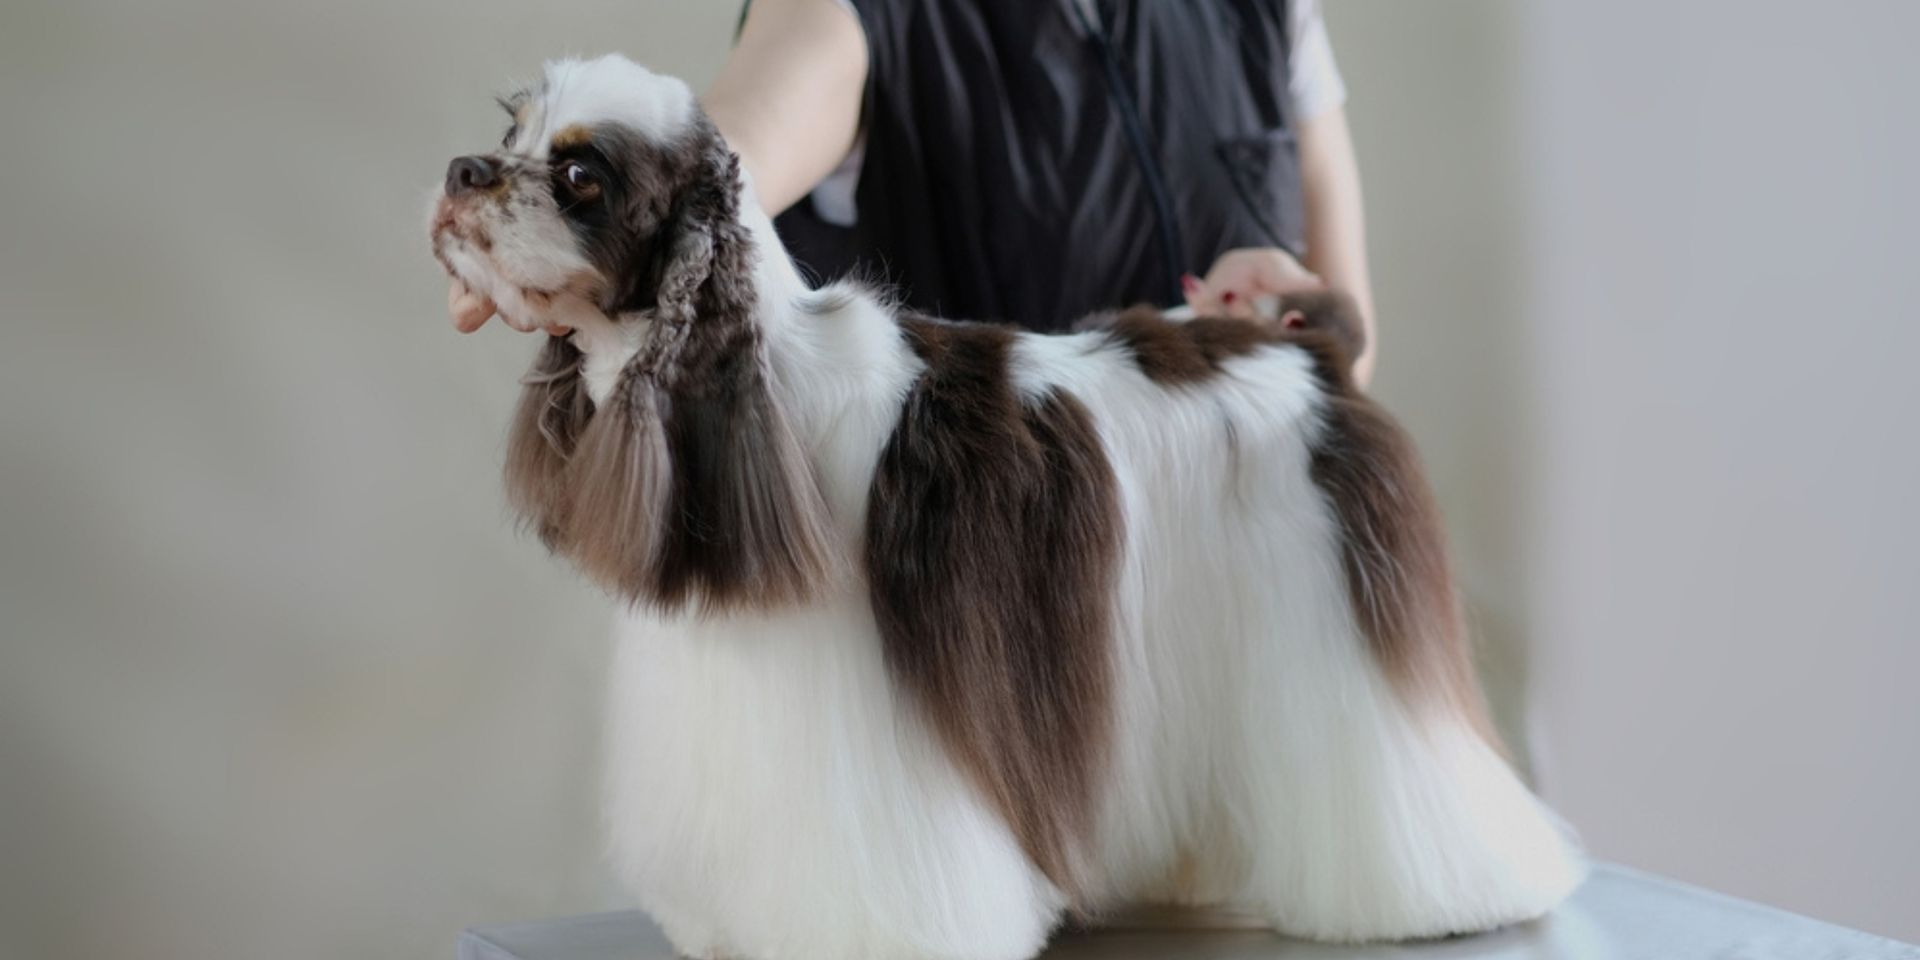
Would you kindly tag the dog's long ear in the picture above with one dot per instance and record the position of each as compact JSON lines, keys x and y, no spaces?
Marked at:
{"x":552,"y":414}
{"x":696,"y":255}
{"x":691,"y":487}
{"x":702,"y":211}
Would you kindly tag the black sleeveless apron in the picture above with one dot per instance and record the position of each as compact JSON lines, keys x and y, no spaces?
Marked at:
{"x":1036,"y":160}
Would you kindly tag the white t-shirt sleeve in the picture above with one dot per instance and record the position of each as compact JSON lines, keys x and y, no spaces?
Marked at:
{"x":1314,"y":84}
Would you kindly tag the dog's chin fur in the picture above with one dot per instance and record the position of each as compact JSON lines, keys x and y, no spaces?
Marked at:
{"x":937,"y":632}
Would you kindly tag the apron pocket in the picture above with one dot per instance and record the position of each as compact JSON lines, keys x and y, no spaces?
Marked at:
{"x":1265,"y":171}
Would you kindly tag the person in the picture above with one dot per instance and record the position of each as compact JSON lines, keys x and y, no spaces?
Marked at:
{"x":1033,"y":161}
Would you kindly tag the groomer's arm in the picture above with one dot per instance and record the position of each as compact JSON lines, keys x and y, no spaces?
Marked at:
{"x":787,"y":100}
{"x":1336,"y":218}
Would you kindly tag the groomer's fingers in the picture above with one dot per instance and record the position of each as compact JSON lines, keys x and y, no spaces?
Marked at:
{"x":1204,"y":300}
{"x":1207,"y":301}
{"x":1195,"y":293}
{"x":1241,"y":278}
{"x":469,"y":310}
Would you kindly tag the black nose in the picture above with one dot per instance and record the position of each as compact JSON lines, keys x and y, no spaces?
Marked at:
{"x":470,"y":173}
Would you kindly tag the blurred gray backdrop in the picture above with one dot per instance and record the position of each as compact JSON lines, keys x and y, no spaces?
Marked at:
{"x":278,"y":679}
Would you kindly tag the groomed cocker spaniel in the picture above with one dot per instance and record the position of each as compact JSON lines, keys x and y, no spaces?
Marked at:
{"x":938,"y":632}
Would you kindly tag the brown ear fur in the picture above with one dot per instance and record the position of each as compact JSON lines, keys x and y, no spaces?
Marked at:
{"x":619,"y":481}
{"x":547,"y":423}
{"x":689,"y":488}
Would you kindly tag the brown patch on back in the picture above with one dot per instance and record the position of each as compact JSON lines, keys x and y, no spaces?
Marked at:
{"x":1393,"y":540}
{"x":993,"y":542}
{"x":1393,"y":543}
{"x":1393,"y":548}
{"x":1331,"y":314}
{"x":1191,"y":351}
{"x":1187,"y":352}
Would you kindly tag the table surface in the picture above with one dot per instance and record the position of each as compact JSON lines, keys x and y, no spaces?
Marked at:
{"x":1619,"y":914}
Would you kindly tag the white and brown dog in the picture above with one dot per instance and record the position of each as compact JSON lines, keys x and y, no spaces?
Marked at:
{"x":938,"y":631}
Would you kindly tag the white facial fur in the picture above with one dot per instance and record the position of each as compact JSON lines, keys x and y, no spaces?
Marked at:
{"x":609,"y":89}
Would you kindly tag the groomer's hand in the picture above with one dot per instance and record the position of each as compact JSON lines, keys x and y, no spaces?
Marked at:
{"x":471,"y":311}
{"x":1239,"y":276}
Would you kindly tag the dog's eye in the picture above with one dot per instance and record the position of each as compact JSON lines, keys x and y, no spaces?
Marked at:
{"x":579,"y":179}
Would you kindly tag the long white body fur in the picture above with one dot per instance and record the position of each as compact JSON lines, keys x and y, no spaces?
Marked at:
{"x":774,"y":794}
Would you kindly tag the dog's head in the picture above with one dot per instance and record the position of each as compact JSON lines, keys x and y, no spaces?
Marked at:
{"x":605,"y":188}
{"x":681,"y":484}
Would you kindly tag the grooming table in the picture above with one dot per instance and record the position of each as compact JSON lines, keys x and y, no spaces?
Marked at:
{"x":1620,"y":914}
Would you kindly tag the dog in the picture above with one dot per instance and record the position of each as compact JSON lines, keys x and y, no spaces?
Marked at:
{"x":939,"y":633}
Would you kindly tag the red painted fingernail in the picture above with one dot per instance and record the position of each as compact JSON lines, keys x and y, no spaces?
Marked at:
{"x":1229,"y":297}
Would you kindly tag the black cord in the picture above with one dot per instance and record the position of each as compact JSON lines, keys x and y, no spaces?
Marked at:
{"x":1137,"y":138}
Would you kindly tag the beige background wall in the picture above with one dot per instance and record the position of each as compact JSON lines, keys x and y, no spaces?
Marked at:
{"x":277,"y":679}
{"x":1434,"y":102}
{"x":1723,"y":213}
